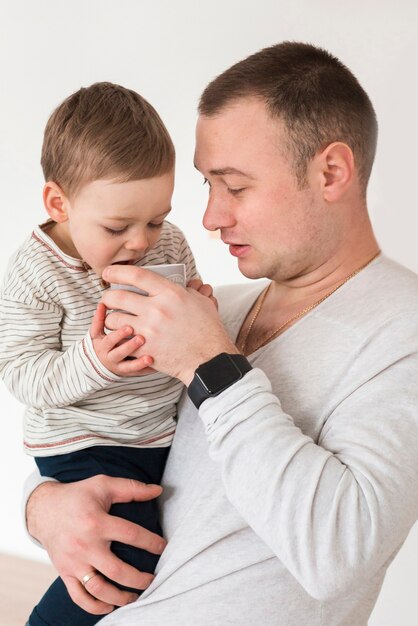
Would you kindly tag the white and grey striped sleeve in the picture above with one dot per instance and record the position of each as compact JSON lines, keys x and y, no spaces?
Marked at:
{"x":32,"y":364}
{"x":177,"y":249}
{"x":186,"y":257}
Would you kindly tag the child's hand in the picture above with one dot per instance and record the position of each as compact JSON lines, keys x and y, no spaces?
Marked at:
{"x":204,"y":289}
{"x":112,"y":349}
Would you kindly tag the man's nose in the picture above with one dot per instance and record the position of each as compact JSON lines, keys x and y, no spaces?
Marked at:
{"x":218,"y":214}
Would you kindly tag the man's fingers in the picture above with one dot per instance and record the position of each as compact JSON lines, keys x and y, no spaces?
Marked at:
{"x":139,"y":277}
{"x":119,"y":572}
{"x":114,"y":490}
{"x":124,"y":303}
{"x":98,"y":321}
{"x":103,"y":590}
{"x":124,"y":531}
{"x":80,"y":596}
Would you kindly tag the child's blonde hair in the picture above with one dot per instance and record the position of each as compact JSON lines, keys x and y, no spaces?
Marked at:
{"x":105,"y":131}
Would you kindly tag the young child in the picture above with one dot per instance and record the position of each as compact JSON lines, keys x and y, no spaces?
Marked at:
{"x":108,"y":162}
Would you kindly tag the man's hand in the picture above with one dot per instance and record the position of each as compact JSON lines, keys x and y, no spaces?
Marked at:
{"x":72,"y":522}
{"x":113,"y":348}
{"x":181,"y":327}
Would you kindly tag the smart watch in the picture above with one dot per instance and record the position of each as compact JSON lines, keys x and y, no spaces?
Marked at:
{"x":216,"y":375}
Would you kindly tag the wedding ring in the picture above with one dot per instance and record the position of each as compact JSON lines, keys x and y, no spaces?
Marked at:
{"x":88,"y":577}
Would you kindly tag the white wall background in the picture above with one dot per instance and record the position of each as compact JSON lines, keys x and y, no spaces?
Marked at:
{"x":168,"y":50}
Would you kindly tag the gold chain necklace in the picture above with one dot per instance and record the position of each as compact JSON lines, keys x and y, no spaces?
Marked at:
{"x":243,"y":343}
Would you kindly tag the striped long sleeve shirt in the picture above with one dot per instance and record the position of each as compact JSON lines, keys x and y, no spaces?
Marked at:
{"x":48,"y":363}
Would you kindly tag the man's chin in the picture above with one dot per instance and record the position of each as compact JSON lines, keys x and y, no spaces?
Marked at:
{"x":250,"y":272}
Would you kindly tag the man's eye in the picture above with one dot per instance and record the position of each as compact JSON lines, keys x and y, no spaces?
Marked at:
{"x":151,"y":225}
{"x":113,"y":231}
{"x":205,"y":180}
{"x":235,"y":192}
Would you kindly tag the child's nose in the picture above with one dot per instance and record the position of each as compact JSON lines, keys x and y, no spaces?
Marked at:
{"x":138,"y":242}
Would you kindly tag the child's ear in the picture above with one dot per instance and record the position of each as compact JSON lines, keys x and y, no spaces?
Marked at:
{"x":56,"y":202}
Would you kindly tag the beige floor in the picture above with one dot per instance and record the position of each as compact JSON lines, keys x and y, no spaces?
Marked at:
{"x":22,"y":583}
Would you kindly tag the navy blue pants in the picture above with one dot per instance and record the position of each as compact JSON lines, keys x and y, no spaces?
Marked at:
{"x":145,"y":464}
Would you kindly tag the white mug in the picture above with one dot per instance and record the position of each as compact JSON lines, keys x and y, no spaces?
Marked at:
{"x":176,"y":272}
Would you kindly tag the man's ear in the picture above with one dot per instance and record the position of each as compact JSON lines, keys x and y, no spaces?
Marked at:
{"x":336,"y":163}
{"x":56,"y":202}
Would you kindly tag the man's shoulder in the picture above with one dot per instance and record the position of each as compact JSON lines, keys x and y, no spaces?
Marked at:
{"x":386,"y":289}
{"x":380,"y":304}
{"x":395,"y":275}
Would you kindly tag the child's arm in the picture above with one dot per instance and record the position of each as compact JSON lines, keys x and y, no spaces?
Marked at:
{"x":34,"y":367}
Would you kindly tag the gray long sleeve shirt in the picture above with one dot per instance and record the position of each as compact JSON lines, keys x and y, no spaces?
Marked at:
{"x":287,"y":499}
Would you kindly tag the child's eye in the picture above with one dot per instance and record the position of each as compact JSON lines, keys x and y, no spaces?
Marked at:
{"x":114,"y":231}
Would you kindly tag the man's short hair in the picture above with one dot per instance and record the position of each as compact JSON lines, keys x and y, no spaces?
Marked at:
{"x":317,"y":97}
{"x":105,"y":131}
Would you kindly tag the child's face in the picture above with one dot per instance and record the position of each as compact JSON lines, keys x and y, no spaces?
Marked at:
{"x":109,"y":222}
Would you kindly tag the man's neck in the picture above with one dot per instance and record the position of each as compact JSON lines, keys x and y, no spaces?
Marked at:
{"x":327,"y":273}
{"x":285,"y":302}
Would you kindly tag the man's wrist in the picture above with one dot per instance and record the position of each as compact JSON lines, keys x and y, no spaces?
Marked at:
{"x":31,"y":510}
{"x":217,"y":374}
{"x":211,"y":352}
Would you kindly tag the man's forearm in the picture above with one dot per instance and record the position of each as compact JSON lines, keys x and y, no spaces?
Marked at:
{"x":332,"y":516}
{"x":34,"y":490}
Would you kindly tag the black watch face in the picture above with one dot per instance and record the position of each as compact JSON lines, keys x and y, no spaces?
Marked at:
{"x":217,"y":376}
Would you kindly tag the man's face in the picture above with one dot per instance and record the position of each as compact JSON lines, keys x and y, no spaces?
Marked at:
{"x":111,"y":222}
{"x":273,"y":228}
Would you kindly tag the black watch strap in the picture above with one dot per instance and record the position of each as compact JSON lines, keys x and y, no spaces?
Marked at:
{"x":216,"y":375}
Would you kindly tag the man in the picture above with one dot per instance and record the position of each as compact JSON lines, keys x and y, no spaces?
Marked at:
{"x":290,"y":493}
